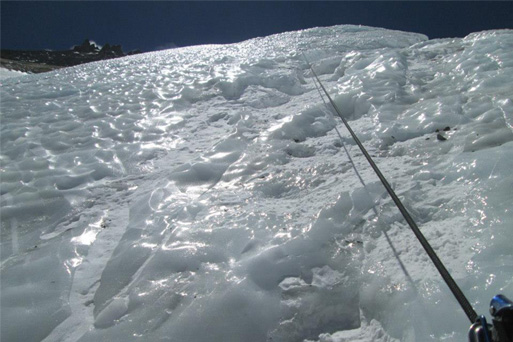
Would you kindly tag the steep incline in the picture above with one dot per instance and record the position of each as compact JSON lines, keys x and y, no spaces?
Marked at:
{"x":203,"y":194}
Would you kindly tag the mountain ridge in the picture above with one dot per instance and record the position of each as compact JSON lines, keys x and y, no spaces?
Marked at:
{"x":37,"y":61}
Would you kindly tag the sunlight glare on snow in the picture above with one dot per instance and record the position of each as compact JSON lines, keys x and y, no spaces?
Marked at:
{"x":202,"y":193}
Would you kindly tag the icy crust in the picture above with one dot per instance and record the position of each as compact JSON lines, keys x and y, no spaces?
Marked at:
{"x":6,"y":73}
{"x":203,"y":193}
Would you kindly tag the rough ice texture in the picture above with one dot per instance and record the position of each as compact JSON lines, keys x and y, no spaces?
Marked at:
{"x":6,"y":73}
{"x":203,"y":193}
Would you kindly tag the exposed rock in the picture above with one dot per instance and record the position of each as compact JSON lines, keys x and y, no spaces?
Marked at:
{"x":86,"y":47}
{"x":45,"y":60}
{"x":441,"y":137}
{"x":114,"y":50}
{"x":29,"y":67}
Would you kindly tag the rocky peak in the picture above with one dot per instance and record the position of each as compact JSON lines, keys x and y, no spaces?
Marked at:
{"x":86,"y":47}
{"x":114,"y":50}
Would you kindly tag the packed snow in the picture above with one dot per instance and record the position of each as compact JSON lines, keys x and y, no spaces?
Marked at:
{"x":6,"y":73}
{"x":204,"y":194}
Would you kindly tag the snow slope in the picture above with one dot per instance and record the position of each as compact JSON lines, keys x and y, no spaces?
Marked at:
{"x":6,"y":73}
{"x":203,"y":194}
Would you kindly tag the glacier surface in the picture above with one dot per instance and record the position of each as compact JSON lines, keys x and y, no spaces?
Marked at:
{"x":6,"y":73}
{"x":203,"y":193}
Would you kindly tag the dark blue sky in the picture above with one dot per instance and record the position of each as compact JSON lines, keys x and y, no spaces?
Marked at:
{"x":149,"y":25}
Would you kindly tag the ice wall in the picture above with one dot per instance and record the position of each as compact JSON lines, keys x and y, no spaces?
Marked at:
{"x":203,"y":193}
